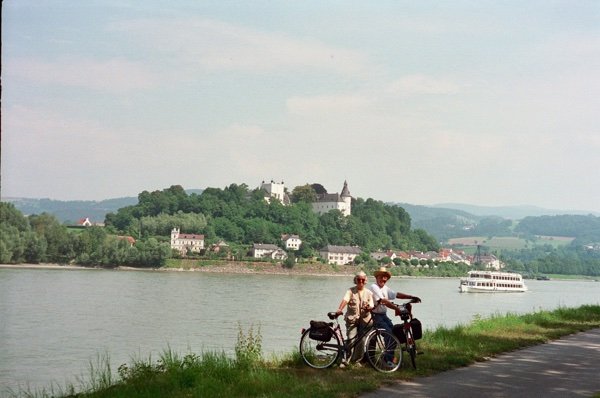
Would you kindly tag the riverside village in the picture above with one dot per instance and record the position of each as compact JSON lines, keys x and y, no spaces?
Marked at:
{"x":187,"y":244}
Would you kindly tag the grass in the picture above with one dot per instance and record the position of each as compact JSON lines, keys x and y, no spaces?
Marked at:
{"x":250,"y":375}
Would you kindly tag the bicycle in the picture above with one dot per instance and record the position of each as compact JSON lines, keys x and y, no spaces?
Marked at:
{"x":404,"y":332}
{"x":323,"y":344}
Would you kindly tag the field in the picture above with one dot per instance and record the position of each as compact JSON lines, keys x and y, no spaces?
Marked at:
{"x":509,"y":242}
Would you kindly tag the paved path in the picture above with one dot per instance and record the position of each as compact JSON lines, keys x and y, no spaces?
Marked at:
{"x":569,"y":367}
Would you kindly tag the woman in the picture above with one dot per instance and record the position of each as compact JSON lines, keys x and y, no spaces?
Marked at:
{"x":359,"y":301}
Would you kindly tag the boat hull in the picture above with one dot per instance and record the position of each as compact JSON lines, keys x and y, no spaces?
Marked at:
{"x":475,"y":289}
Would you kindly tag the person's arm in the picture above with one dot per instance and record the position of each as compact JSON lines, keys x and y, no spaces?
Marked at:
{"x":344,"y":301}
{"x":341,"y":307}
{"x":414,"y":299}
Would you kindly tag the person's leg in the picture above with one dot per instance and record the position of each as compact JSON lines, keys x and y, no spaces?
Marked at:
{"x":351,"y":332}
{"x":388,"y":325}
{"x":359,"y":349}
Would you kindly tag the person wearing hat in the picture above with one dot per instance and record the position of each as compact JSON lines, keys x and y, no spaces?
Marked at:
{"x":382,"y":295}
{"x":359,"y":302}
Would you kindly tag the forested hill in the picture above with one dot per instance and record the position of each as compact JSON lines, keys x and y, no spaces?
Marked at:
{"x":585,"y":229}
{"x":451,"y":223}
{"x":237,"y":214}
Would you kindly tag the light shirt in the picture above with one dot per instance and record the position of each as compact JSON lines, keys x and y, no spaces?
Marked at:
{"x":379,"y":293}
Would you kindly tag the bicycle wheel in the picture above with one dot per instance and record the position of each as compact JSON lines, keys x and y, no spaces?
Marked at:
{"x":411,"y":347}
{"x":384,"y":351}
{"x":319,"y":354}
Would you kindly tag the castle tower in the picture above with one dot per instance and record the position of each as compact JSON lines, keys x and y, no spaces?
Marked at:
{"x":174,"y":235}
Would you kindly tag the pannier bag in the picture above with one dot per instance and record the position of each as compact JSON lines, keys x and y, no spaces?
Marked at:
{"x":320,"y":330}
{"x":417,"y":329}
{"x":398,"y":331}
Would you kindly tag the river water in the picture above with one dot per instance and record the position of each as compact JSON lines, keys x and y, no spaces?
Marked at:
{"x":54,"y":323}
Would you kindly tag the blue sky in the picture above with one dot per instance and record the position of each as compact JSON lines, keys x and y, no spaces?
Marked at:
{"x":487,"y":103}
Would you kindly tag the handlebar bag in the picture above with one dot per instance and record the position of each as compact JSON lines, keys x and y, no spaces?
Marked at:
{"x":320,"y":331}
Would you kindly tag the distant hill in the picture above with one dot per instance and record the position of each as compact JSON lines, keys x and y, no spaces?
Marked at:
{"x":469,"y":220}
{"x":511,"y":212}
{"x":69,"y":211}
{"x":452,"y":223}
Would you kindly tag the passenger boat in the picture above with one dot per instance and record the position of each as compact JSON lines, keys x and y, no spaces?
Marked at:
{"x":492,"y":281}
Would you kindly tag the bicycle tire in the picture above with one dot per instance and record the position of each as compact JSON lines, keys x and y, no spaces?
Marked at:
{"x":319,"y":354}
{"x":411,"y":347}
{"x":384,"y":351}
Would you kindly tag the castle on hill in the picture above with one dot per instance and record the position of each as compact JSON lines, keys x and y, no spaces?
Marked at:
{"x":325,"y":201}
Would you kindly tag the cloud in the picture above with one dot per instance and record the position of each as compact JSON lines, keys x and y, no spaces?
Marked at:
{"x":422,"y":84}
{"x":327,"y":104}
{"x":218,"y":46}
{"x":112,"y":75}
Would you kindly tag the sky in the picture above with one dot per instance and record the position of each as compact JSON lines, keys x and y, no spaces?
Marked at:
{"x":492,"y":103}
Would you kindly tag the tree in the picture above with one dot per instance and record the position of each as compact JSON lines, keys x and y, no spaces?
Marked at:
{"x":304,"y":193}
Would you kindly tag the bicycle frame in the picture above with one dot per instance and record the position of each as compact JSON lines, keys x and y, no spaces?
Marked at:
{"x":409,"y":342}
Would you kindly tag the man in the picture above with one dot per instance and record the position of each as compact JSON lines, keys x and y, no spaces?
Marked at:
{"x":383,"y":294}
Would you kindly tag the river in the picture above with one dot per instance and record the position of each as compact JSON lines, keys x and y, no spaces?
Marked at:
{"x":53,"y":323}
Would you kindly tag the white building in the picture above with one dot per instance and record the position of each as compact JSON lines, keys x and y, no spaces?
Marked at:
{"x":291,"y":242}
{"x":261,"y":250}
{"x":334,"y":201}
{"x":275,"y":190}
{"x":339,"y":255}
{"x":186,"y":242}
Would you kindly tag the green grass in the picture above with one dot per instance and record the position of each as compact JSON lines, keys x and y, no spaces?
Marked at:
{"x":250,"y":375}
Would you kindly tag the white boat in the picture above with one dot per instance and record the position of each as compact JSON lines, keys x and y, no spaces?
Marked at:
{"x":492,"y":281}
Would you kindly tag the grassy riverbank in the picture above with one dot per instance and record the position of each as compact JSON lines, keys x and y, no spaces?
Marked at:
{"x":251,"y":375}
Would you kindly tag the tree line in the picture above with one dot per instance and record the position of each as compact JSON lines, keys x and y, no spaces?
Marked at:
{"x":236,"y":214}
{"x":42,"y":238}
{"x":546,"y":259}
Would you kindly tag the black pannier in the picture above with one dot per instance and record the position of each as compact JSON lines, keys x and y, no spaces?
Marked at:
{"x":320,"y":331}
{"x":415,"y":325}
{"x":398,"y":331}
{"x":417,"y":329}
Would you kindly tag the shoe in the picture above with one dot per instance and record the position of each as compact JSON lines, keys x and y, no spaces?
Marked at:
{"x":390,"y":364}
{"x":343,"y":364}
{"x":358,"y":365}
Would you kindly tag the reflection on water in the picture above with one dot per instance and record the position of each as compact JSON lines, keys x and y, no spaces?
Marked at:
{"x":54,"y":322}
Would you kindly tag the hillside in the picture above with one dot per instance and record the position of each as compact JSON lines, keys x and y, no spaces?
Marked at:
{"x":72,"y":210}
{"x":510,"y":212}
{"x":454,"y":221}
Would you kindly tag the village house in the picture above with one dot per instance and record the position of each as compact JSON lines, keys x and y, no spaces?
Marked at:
{"x":334,"y":201}
{"x":262,"y":250}
{"x":86,"y":222}
{"x":219,"y":246}
{"x":291,"y":242}
{"x":129,"y":239}
{"x":339,"y":255}
{"x":487,"y":260}
{"x":186,"y":242}
{"x":380,"y":255}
